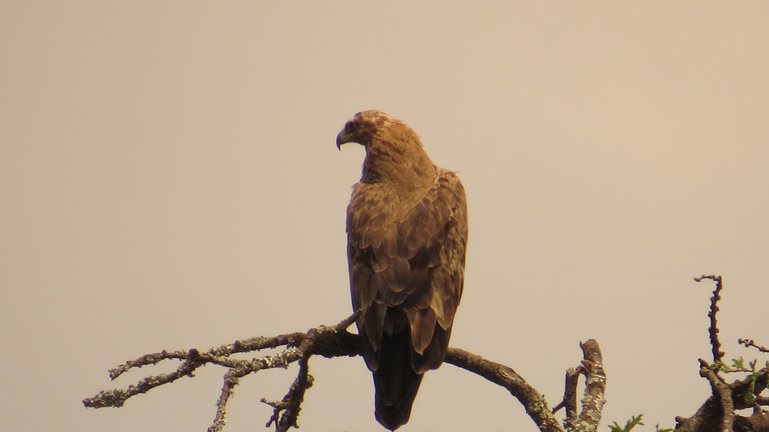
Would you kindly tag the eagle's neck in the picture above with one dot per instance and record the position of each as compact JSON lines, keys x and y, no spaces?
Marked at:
{"x":403,"y":165}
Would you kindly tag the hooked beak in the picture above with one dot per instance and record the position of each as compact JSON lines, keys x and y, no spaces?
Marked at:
{"x":343,"y":138}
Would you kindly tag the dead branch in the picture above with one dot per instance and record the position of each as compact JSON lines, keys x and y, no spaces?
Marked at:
{"x":592,"y":399}
{"x":534,"y":403}
{"x":335,"y":341}
{"x":569,"y":402}
{"x":332,"y":341}
{"x":292,"y":402}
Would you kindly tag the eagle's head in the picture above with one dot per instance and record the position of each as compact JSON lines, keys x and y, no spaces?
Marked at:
{"x":393,"y":150}
{"x":365,"y":126}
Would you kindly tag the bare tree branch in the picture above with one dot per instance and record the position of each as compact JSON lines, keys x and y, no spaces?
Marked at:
{"x":592,"y":400}
{"x":569,"y":401}
{"x":335,"y":341}
{"x":719,"y":413}
{"x":713,"y":329}
{"x":748,"y":343}
{"x":327,"y":341}
{"x":534,"y":403}
{"x":291,"y":404}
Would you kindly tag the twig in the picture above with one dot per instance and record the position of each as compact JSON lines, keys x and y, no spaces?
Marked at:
{"x":291,"y":404}
{"x":713,"y":329}
{"x":220,"y":419}
{"x":748,"y":343}
{"x":117,"y":397}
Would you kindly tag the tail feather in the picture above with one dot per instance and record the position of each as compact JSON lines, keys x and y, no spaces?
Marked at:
{"x":395,"y":381}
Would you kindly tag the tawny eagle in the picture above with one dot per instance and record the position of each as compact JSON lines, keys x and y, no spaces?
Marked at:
{"x":406,"y":239}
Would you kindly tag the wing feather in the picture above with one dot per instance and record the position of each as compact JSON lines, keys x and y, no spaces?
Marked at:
{"x":409,"y":257}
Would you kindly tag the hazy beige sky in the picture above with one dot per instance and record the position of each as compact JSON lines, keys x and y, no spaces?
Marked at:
{"x":169,"y":179}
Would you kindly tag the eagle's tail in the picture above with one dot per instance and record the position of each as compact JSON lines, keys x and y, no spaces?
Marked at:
{"x":395,"y":381}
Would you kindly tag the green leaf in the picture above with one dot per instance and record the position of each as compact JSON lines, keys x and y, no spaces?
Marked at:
{"x":738,"y":363}
{"x":630,"y":424}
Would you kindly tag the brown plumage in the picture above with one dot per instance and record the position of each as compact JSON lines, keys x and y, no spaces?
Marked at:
{"x":406,"y":238}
